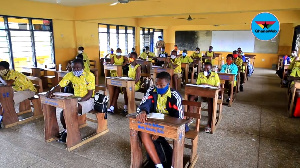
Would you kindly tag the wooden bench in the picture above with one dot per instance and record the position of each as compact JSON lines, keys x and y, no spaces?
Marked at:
{"x":291,"y":96}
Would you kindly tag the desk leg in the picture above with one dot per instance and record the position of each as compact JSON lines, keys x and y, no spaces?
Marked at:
{"x":177,"y":160}
{"x":97,"y":77}
{"x":136,"y":150}
{"x":186,"y":74}
{"x":214,"y":114}
{"x":231,"y":94}
{"x":71,"y":118}
{"x":119,"y":71}
{"x":131,"y":97}
{"x":192,"y":76}
{"x":110,"y":89}
{"x":51,"y":126}
{"x":37,"y":107}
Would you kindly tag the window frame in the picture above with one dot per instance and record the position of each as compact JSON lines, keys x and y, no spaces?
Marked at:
{"x":147,"y":31}
{"x":31,"y":30}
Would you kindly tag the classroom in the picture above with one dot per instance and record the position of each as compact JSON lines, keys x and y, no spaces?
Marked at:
{"x":149,"y":83}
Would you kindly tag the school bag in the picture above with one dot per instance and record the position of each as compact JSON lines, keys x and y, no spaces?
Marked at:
{"x":100,"y":103}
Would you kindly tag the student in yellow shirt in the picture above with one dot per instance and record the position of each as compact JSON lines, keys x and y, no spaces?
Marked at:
{"x":185,"y":58}
{"x":84,"y":87}
{"x":147,"y":54}
{"x":22,"y":86}
{"x":210,"y":53}
{"x":239,"y":62}
{"x":134,"y":73}
{"x":208,"y":77}
{"x":85,"y":59}
{"x":118,"y":60}
{"x":175,"y":63}
{"x":196,"y":54}
{"x":111,"y":54}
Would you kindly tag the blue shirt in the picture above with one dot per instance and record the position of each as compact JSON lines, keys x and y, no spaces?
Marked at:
{"x":233,"y":69}
{"x":243,"y":58}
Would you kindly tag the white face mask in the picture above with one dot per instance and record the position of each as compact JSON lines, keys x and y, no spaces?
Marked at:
{"x":80,"y":51}
{"x":3,"y":72}
{"x":118,"y":54}
{"x":173,"y":56}
{"x":197,"y":52}
{"x":205,"y":73}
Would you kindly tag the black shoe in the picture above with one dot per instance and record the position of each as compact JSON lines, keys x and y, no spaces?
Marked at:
{"x":241,"y":88}
{"x":125,"y":111}
{"x":63,"y":138}
{"x":228,"y":100}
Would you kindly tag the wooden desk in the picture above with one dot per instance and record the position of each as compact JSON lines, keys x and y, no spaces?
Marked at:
{"x":169,"y":127}
{"x":32,"y":71}
{"x":10,"y":117}
{"x":102,"y":73}
{"x":231,"y":79}
{"x":69,"y":105}
{"x":108,"y":68}
{"x":186,"y":67}
{"x":198,"y":62}
{"x":96,"y":73}
{"x":209,"y":93}
{"x":129,"y":85}
{"x":146,"y":66}
{"x":155,"y":71}
{"x":252,"y":57}
{"x":285,"y":69}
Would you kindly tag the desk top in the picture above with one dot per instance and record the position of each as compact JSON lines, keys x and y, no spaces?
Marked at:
{"x":120,"y":78}
{"x":57,"y":101}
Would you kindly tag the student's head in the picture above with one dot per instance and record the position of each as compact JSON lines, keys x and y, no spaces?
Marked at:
{"x":235,"y":54}
{"x":239,"y":49}
{"x":77,"y":67}
{"x":197,"y":50}
{"x":162,"y":82}
{"x":210,"y":48}
{"x":184,"y":52}
{"x":80,"y":50}
{"x":175,"y":46}
{"x":132,"y":57}
{"x":4,"y":67}
{"x":147,"y":49}
{"x":119,"y":52}
{"x":133,"y":50}
{"x":111,"y":51}
{"x":229,"y":59}
{"x":159,"y":37}
{"x":173,"y":54}
{"x":207,"y":66}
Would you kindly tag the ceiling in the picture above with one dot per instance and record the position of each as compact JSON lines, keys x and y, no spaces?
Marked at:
{"x":76,"y":2}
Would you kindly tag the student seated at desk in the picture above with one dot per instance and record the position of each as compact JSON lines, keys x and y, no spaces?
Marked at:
{"x":175,"y":63}
{"x":118,"y":60}
{"x":210,"y":53}
{"x":147,"y":54}
{"x":239,"y":62}
{"x":85,"y":58}
{"x":134,"y":73}
{"x":22,"y":86}
{"x":208,"y":77}
{"x":158,"y":99}
{"x":163,"y":54}
{"x":241,"y":54}
{"x":196,"y":54}
{"x":231,"y":68}
{"x":111,"y":54}
{"x":185,"y":58}
{"x":84,"y":87}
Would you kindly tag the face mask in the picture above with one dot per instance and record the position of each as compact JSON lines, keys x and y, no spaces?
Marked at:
{"x":206,"y":73}
{"x":111,"y":52}
{"x":173,"y":56}
{"x":78,"y":73}
{"x":162,"y":91}
{"x":176,"y":48}
{"x":131,"y":60}
{"x":183,"y":54}
{"x":80,"y":51}
{"x":210,"y":50}
{"x":160,"y":39}
{"x":3,"y":72}
{"x":197,"y":52}
{"x":229,"y":62}
{"x":235,"y":55}
{"x":118,"y":54}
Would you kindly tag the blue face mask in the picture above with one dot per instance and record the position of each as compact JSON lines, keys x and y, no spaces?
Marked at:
{"x":111,"y":52}
{"x":162,"y":91}
{"x":183,"y":54}
{"x":77,"y":73}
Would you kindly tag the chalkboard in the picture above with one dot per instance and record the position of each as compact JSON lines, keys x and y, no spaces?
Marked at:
{"x":186,"y":40}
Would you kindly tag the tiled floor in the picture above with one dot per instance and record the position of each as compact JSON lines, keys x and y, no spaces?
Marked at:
{"x":254,"y":132}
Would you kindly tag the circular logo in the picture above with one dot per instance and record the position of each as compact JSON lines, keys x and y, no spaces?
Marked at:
{"x":265,"y":26}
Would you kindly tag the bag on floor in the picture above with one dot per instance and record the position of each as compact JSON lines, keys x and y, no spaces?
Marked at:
{"x":164,"y":151}
{"x":100,"y":102}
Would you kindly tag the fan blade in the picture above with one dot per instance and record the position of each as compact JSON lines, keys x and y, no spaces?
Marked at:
{"x":113,"y":4}
{"x":181,"y":18}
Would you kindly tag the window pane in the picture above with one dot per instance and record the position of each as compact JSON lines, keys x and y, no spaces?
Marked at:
{"x":122,"y":29}
{"x":122,"y":43}
{"x":103,"y":44}
{"x":39,"y":24}
{"x":2,"y":23}
{"x":4,"y":47}
{"x":43,"y":48}
{"x":102,"y":28}
{"x":113,"y":29}
{"x":17,"y":23}
{"x":130,"y":42}
{"x":113,"y":37}
{"x":129,"y":30}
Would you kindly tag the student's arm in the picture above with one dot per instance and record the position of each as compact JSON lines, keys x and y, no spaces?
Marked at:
{"x":125,"y":61}
{"x":223,"y":69}
{"x":214,"y":55}
{"x":138,"y":74}
{"x":90,"y":80}
{"x":190,"y":60}
{"x":235,"y":70}
{"x":63,"y":83}
{"x":198,"y":82}
{"x":217,"y":80}
{"x":112,"y":60}
{"x":145,"y":106}
{"x":205,"y":54}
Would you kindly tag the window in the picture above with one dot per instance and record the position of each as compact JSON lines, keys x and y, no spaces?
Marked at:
{"x":116,"y":36}
{"x":149,"y":37}
{"x":26,"y":42}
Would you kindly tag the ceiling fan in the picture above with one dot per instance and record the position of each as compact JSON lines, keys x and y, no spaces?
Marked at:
{"x":124,"y":2}
{"x":190,"y":18}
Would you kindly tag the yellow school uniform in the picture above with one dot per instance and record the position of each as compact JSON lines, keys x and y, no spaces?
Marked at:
{"x":132,"y":75}
{"x":21,"y":82}
{"x":239,"y":62}
{"x":118,"y":61}
{"x":209,"y":54}
{"x":186,"y":59}
{"x":177,"y":61}
{"x":86,"y":62}
{"x":112,"y":55}
{"x":80,"y":84}
{"x":144,"y":55}
{"x":213,"y":79}
{"x":162,"y":101}
{"x":195,"y":55}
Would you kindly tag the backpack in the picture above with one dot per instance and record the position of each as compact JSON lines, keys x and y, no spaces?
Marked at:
{"x":100,"y":103}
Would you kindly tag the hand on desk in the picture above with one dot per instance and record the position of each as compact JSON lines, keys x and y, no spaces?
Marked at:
{"x":49,"y":94}
{"x":142,"y":117}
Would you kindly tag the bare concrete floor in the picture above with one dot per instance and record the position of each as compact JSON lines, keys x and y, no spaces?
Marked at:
{"x":254,"y":132}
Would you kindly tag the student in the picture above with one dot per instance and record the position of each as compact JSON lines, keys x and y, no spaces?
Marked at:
{"x":147,"y":54}
{"x":118,"y":60}
{"x":176,"y":49}
{"x":239,"y":62}
{"x":163,"y":53}
{"x":159,"y":45}
{"x":134,"y":73}
{"x":185,"y":58}
{"x":111,"y":54}
{"x":196,"y":54}
{"x":85,"y":59}
{"x":84,"y":87}
{"x":241,"y":54}
{"x":175,"y":63}
{"x":230,"y":67}
{"x":208,"y":77}
{"x":210,"y":53}
{"x":158,"y":99}
{"x":22,"y":86}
